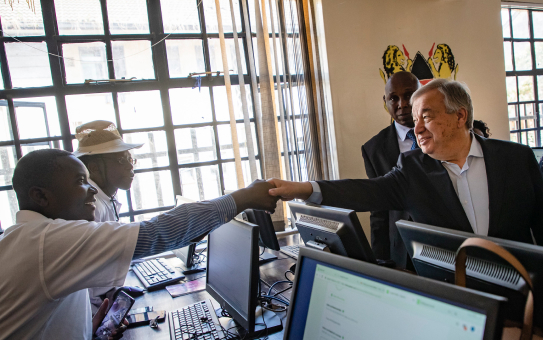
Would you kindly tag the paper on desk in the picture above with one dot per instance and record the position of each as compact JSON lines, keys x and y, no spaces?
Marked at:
{"x":187,"y":287}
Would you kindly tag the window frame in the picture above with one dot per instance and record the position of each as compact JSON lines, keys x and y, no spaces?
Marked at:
{"x":162,"y":82}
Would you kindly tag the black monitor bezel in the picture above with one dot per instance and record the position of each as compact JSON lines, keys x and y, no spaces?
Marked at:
{"x":354,"y":242}
{"x":468,"y":297}
{"x":249,"y":323}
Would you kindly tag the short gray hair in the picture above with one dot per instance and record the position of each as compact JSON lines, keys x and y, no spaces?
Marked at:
{"x":456,"y":96}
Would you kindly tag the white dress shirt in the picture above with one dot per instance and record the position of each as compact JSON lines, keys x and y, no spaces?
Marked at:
{"x":47,"y":265}
{"x":470,"y":186}
{"x":404,"y":143}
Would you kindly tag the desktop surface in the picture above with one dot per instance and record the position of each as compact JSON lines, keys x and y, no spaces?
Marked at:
{"x":161,"y":299}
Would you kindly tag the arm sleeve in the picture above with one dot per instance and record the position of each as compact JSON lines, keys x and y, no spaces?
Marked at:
{"x":316,"y":196}
{"x":379,"y":220}
{"x":75,"y":255}
{"x":179,"y":226}
{"x":387,"y":192}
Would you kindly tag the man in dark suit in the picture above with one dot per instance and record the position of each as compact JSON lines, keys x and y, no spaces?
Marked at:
{"x":455,"y":180}
{"x":381,"y":155}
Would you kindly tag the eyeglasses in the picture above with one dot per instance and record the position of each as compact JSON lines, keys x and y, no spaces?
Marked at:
{"x":124,"y":160}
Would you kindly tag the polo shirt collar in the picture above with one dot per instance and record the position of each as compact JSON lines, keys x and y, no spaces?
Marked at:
{"x":401,"y":130}
{"x":25,"y":216}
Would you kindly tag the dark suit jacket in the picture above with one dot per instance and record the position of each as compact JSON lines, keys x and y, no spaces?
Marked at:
{"x":380,"y":156}
{"x":421,"y":186}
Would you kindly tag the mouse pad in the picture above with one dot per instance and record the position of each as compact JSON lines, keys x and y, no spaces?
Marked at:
{"x":187,"y":287}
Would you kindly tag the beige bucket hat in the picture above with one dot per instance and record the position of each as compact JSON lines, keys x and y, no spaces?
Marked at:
{"x":99,"y":137}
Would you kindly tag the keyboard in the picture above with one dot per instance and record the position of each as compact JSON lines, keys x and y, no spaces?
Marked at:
{"x":197,"y":321}
{"x":156,"y":274}
{"x":291,"y":251}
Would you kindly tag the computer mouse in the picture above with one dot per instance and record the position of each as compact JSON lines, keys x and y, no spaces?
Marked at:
{"x":133,"y":291}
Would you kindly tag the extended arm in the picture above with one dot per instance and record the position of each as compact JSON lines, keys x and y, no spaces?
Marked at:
{"x":182,"y":225}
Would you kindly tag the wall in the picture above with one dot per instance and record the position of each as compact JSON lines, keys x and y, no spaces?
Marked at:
{"x":358,"y":32}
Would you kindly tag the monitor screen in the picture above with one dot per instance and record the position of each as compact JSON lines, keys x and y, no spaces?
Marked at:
{"x":232,"y":270}
{"x":339,"y":303}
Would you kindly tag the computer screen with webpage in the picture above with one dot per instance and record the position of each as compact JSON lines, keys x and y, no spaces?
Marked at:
{"x":346,"y":305}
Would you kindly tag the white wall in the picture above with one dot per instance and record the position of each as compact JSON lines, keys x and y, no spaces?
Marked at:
{"x":358,"y":32}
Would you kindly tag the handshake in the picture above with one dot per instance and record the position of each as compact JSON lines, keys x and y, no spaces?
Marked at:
{"x":263,"y":195}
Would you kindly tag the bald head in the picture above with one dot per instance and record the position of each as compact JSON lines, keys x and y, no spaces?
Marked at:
{"x":398,"y":90}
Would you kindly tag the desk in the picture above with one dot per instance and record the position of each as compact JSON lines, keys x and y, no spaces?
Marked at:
{"x":161,"y":300}
{"x":270,"y":272}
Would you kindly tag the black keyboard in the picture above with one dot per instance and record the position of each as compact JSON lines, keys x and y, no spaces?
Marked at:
{"x":156,"y":274}
{"x":197,"y":321}
{"x":291,"y":251}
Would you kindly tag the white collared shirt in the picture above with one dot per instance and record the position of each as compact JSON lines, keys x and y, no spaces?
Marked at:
{"x":404,"y":143}
{"x":104,"y":206}
{"x":472,"y":187}
{"x":46,"y":267}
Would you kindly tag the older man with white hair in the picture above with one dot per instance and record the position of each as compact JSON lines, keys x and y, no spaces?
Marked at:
{"x":456,"y":179}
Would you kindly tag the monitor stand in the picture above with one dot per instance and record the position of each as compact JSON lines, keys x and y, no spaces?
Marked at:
{"x":273,"y":325}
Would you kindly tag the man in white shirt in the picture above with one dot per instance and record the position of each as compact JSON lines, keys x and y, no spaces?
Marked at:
{"x":53,"y":254}
{"x":111,"y":167}
{"x":455,"y":180}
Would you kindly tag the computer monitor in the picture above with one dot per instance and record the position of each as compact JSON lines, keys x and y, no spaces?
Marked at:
{"x":433,"y":250}
{"x":333,"y":229}
{"x":335,"y":297}
{"x":186,"y":254}
{"x":262,"y":219}
{"x":233,"y":275}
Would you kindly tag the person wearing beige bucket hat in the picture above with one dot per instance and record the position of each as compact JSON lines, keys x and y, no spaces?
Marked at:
{"x":109,"y":162}
{"x":110,"y":165}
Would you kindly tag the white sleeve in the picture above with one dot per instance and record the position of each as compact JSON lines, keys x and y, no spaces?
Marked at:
{"x":316,"y":196}
{"x":75,"y":255}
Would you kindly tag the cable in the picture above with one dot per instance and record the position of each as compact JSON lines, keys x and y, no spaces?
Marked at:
{"x":276,"y":283}
{"x":289,"y":271}
{"x":107,"y":60}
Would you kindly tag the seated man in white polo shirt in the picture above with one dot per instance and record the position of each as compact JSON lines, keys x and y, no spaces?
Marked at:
{"x":53,"y":253}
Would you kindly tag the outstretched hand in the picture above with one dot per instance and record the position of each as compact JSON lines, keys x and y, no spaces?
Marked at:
{"x":287,"y":190}
{"x":255,"y":196}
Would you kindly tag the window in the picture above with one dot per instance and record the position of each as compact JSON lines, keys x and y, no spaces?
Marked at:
{"x":523,"y":50}
{"x":128,"y":61}
{"x":188,"y":145}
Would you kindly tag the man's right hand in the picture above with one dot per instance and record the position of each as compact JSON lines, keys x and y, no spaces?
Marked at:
{"x":290,"y":190}
{"x":255,"y":196}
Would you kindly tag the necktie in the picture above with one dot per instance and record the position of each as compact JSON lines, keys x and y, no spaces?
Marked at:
{"x":411,"y":135}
